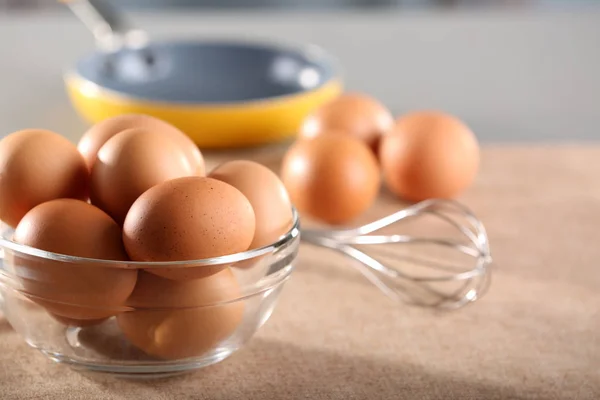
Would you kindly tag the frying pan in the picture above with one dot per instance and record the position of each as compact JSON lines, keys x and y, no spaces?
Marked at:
{"x":222,"y":93}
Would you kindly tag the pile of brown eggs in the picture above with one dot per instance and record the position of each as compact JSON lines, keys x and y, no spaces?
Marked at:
{"x":333,"y":172}
{"x":134,"y":189}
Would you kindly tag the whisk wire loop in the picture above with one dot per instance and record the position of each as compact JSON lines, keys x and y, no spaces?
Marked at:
{"x":470,"y":281}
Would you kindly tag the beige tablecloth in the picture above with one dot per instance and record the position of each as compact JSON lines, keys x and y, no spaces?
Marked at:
{"x":335,"y":336}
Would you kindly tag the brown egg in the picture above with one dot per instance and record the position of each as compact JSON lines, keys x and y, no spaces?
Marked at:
{"x":130,"y":163}
{"x":267,"y":195}
{"x":429,"y":155}
{"x":36,"y":166}
{"x":73,"y":290}
{"x":91,"y":142}
{"x":188,"y":219}
{"x":357,"y":115}
{"x":179,"y":319}
{"x":333,"y":177}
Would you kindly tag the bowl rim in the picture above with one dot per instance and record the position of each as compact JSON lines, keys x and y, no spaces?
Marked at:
{"x":310,"y":51}
{"x":282,"y":241}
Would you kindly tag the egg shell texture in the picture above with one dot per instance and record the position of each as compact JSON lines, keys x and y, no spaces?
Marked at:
{"x":36,"y":166}
{"x":333,"y":177}
{"x":95,"y":137}
{"x":130,"y":163}
{"x":354,"y":114}
{"x":188,"y":218}
{"x":178,"y":319}
{"x":75,"y":228}
{"x":267,"y":195}
{"x":429,"y":154}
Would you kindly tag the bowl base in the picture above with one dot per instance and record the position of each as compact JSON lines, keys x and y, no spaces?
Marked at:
{"x":102,"y":350}
{"x":140,"y":372}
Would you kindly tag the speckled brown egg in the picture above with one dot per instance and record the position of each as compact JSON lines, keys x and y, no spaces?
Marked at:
{"x":37,"y":166}
{"x":179,"y":319}
{"x":333,"y":177}
{"x":95,"y":137}
{"x":429,"y":154}
{"x":77,"y":290}
{"x":267,"y":194}
{"x":354,"y":114}
{"x":130,"y":163}
{"x":188,"y":218}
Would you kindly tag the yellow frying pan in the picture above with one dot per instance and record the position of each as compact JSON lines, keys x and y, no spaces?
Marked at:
{"x":221,"y":93}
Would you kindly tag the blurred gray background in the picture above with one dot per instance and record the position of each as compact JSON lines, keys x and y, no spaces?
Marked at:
{"x":302,"y":4}
{"x":516,"y":71}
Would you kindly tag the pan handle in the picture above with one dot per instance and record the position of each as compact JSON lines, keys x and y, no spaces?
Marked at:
{"x":109,"y":27}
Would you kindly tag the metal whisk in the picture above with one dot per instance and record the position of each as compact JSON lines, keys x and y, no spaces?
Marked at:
{"x":455,"y":270}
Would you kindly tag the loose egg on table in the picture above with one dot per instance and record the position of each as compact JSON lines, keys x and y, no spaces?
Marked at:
{"x":37,"y":166}
{"x":333,"y":177}
{"x":354,"y":114}
{"x":188,"y":218}
{"x":429,"y":154}
{"x":75,"y":290}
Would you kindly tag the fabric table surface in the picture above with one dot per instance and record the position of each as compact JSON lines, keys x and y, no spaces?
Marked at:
{"x":333,"y":335}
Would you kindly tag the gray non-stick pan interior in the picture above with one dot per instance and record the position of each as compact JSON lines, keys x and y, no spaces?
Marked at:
{"x":205,"y":72}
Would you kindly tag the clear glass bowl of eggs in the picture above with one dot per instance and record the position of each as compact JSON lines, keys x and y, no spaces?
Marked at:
{"x":122,"y":256}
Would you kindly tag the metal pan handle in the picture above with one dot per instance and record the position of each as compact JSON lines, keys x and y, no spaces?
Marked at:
{"x":109,"y":27}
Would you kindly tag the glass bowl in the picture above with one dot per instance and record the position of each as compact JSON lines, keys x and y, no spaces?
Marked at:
{"x":151,"y":335}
